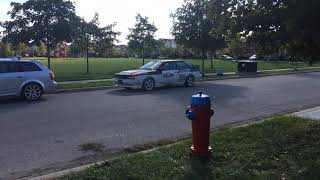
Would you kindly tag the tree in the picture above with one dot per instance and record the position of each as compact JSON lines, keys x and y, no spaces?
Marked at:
{"x":88,"y":35}
{"x":142,"y":36}
{"x":191,"y":28}
{"x":20,"y":48}
{"x":269,"y":26}
{"x":40,"y":21}
{"x":106,"y":39}
{"x":5,"y":50}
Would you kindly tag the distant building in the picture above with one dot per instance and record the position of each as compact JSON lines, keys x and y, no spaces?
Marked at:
{"x":169,"y":43}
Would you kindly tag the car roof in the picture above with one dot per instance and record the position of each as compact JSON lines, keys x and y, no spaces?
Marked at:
{"x":169,"y":60}
{"x":14,"y":60}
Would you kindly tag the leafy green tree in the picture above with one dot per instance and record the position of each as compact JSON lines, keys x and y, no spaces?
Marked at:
{"x":85,"y":34}
{"x":106,"y":39}
{"x":141,"y":37}
{"x":88,"y":35}
{"x":20,"y":48}
{"x":5,"y":50}
{"x":270,"y":25}
{"x":192,"y":28}
{"x":40,"y":21}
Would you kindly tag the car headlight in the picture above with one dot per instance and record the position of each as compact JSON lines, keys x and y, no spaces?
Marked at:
{"x":132,"y":77}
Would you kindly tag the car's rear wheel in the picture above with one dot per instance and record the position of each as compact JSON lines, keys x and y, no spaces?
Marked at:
{"x":148,"y":84}
{"x":32,"y":92}
{"x":189,"y":81}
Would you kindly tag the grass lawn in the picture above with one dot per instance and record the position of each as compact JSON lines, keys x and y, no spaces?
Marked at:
{"x":280,"y":148}
{"x":75,"y":68}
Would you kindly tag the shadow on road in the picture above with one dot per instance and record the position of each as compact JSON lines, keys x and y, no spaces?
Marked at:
{"x":310,"y":75}
{"x":218,"y":92}
{"x":12,"y":103}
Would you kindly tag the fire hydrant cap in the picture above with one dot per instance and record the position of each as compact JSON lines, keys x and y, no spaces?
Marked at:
{"x":200,"y":100}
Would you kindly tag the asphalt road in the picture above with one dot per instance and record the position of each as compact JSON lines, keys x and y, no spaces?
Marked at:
{"x":47,"y":134}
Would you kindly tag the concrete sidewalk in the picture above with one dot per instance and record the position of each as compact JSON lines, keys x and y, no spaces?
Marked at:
{"x":313,"y":113}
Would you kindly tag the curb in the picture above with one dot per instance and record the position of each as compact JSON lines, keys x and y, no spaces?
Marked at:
{"x":204,"y":80}
{"x":84,"y":89}
{"x":183,"y":137}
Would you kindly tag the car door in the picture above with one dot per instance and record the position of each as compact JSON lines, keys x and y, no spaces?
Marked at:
{"x":169,"y":73}
{"x":184,"y":71}
{"x":10,"y":78}
{"x":3,"y":78}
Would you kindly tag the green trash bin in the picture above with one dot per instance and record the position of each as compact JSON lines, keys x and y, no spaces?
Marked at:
{"x":247,"y":66}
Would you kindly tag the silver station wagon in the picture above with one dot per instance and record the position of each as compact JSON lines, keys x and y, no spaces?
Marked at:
{"x":25,"y":78}
{"x":158,"y":73}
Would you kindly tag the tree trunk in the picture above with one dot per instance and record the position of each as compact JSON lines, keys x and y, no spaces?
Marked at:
{"x":48,"y":55}
{"x":202,"y":61}
{"x":87,"y":56}
{"x":211,"y":59}
{"x":143,"y":53}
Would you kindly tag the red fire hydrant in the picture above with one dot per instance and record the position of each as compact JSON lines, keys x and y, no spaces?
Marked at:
{"x":200,"y":112}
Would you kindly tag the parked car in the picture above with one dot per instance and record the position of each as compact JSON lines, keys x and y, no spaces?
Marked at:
{"x":253,"y":57}
{"x":25,"y":78}
{"x":158,"y":73}
{"x":226,"y":57}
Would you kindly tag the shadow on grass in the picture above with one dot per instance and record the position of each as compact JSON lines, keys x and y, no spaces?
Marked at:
{"x":199,"y":168}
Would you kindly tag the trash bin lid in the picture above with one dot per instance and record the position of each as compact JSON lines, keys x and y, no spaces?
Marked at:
{"x":200,"y":100}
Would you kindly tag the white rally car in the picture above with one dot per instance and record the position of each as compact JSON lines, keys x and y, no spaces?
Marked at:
{"x":158,"y":73}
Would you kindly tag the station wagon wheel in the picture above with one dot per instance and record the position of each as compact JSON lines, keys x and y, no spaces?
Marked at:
{"x":189,"y":81}
{"x":148,"y":84}
{"x":32,"y":92}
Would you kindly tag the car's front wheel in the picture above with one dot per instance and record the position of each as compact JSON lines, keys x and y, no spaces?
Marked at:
{"x":32,"y":92}
{"x":148,"y":84}
{"x":189,"y":81}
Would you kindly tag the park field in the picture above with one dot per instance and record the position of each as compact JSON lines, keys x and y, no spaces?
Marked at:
{"x":69,"y":69}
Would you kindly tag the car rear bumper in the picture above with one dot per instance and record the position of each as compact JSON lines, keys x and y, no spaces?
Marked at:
{"x":51,"y":87}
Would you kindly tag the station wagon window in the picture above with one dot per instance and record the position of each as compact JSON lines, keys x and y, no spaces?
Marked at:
{"x":28,"y":67}
{"x":3,"y":68}
{"x":169,"y":66}
{"x":13,"y":67}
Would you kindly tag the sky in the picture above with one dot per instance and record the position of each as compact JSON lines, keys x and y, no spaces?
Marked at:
{"x":122,"y":12}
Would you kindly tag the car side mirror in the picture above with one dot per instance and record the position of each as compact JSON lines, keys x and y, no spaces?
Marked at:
{"x":160,"y":70}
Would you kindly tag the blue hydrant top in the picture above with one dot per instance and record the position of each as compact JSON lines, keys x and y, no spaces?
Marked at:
{"x":200,"y":100}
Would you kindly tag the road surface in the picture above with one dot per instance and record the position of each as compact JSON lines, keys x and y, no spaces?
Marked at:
{"x":46,"y":136}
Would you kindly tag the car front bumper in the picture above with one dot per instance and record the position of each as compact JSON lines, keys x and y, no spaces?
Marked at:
{"x":126,"y":83}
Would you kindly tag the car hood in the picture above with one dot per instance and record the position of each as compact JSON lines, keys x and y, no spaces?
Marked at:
{"x":136,"y":72}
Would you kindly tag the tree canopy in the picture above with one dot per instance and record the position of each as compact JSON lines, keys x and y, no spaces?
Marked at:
{"x":88,"y":35}
{"x":270,"y":25}
{"x":40,"y":21}
{"x":192,"y":27}
{"x":142,"y":35}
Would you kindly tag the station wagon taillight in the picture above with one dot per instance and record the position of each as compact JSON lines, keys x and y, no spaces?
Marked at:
{"x":51,"y":74}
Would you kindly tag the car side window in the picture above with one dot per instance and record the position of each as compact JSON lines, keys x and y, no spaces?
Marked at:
{"x":169,"y":66}
{"x":12,"y":67}
{"x":182,"y":66}
{"x":3,"y":67}
{"x":28,"y":67}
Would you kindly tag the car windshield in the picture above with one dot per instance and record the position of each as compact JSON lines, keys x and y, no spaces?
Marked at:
{"x":151,"y":65}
